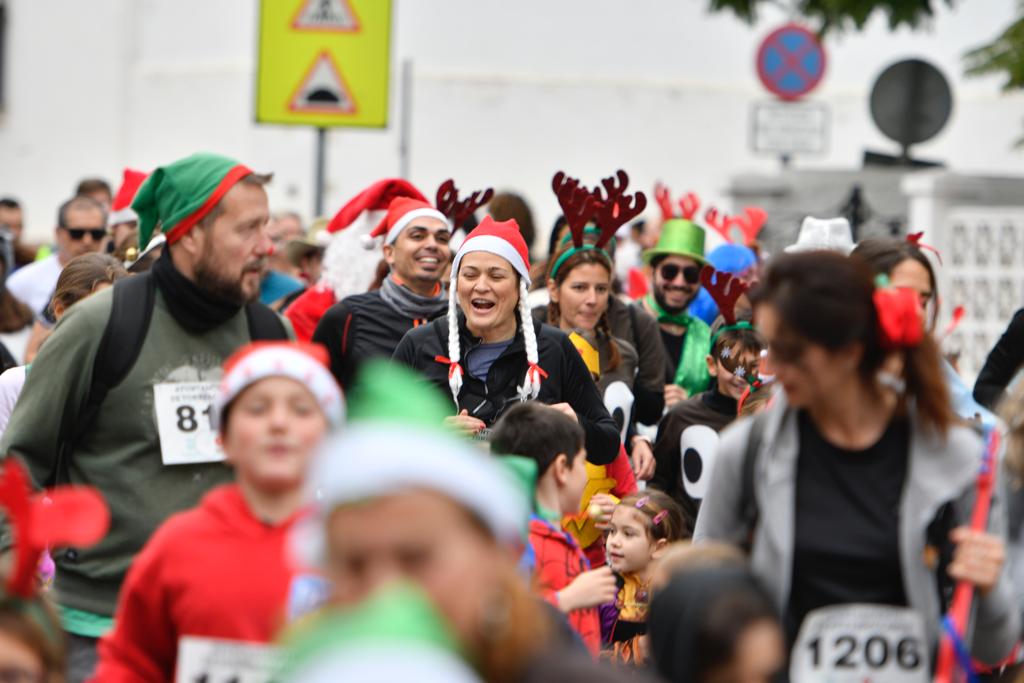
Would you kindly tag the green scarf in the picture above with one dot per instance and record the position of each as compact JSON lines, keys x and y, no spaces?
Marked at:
{"x":692,"y":371}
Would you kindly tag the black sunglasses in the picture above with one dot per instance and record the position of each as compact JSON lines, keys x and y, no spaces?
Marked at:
{"x":78,"y":234}
{"x":670,"y":271}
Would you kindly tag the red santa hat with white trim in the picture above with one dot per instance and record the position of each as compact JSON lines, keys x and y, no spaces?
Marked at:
{"x":346,"y":268}
{"x":121,"y":207}
{"x":502,"y":239}
{"x":401,"y":213}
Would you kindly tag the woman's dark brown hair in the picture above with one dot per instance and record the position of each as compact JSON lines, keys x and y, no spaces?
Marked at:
{"x":883,"y":254}
{"x":35,"y":625}
{"x":826,"y":299}
{"x":14,"y":315}
{"x":603,"y":328}
{"x":83,"y":273}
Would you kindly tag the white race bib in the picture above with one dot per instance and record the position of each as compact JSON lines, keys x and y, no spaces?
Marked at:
{"x":211,"y":660}
{"x":184,"y":419}
{"x":861,"y":644}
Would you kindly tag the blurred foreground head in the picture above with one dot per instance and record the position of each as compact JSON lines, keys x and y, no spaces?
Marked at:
{"x":398,"y":498}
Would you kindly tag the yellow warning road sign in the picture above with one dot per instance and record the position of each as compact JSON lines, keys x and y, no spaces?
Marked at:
{"x":324,"y":62}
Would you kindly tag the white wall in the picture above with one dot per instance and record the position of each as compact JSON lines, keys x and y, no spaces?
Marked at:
{"x":505,"y":93}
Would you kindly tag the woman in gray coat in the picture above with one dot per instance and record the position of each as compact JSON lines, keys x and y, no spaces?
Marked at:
{"x":857,"y":485}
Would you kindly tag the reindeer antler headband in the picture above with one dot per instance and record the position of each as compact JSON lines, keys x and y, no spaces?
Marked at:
{"x":66,"y":516}
{"x":749,"y":224}
{"x":457,"y":210}
{"x":725,"y":289}
{"x":608,"y":205}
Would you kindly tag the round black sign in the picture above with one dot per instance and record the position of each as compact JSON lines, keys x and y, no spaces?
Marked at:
{"x":911,"y":101}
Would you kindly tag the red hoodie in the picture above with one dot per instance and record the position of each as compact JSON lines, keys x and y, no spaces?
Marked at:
{"x":212,"y":571}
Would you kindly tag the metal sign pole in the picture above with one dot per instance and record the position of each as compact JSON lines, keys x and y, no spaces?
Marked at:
{"x":318,"y":181}
{"x":405,"y":120}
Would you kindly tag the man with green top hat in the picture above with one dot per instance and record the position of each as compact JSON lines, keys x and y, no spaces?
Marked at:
{"x":676,"y":261}
{"x":140,"y":431}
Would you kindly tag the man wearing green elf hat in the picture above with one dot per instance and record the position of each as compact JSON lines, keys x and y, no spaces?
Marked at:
{"x":676,"y":261}
{"x":143,"y":435}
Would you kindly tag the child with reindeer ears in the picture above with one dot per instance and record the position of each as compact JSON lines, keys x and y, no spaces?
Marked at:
{"x":688,"y":435}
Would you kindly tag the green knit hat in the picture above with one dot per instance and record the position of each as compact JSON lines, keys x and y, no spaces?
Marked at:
{"x":178,"y":195}
{"x":679,"y":237}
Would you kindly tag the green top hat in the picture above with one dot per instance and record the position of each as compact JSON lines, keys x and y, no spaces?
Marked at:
{"x":679,"y":237}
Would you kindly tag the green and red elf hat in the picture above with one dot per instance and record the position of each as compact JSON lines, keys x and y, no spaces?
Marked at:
{"x":177,"y":196}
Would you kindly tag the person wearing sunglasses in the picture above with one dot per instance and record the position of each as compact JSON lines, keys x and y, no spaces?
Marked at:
{"x":81,"y":229}
{"x":676,"y":261}
{"x":687,"y":442}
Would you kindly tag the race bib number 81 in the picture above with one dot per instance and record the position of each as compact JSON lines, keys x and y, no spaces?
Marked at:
{"x":185,"y":421}
{"x":861,"y":644}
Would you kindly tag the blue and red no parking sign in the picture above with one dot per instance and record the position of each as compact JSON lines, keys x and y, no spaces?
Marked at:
{"x":791,"y":61}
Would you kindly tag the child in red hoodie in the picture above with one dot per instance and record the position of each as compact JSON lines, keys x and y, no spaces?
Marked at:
{"x":560,"y":570}
{"x":220,"y":571}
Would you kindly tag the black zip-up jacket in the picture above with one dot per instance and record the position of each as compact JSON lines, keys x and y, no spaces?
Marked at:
{"x":1003,"y":362}
{"x":568,"y":379}
{"x":359,"y":328}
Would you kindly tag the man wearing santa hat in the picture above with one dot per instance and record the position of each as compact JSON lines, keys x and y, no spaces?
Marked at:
{"x":370,"y":325}
{"x":123,"y":222}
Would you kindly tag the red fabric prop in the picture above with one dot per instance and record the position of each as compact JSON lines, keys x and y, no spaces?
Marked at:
{"x":67,"y":515}
{"x":899,"y":318}
{"x":963,"y":593}
{"x":306,"y":311}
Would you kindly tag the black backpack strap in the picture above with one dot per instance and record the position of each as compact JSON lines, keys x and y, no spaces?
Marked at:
{"x":130,"y":312}
{"x":264,"y":324}
{"x":747,"y":499}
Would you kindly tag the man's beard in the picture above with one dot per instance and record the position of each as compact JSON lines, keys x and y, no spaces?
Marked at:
{"x":659,"y":296}
{"x":212,"y":282}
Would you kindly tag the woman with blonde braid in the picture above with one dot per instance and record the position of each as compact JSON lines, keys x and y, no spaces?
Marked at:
{"x":490,"y":355}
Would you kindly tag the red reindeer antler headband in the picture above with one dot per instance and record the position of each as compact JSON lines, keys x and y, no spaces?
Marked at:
{"x":67,"y":515}
{"x":749,"y":224}
{"x":689,"y":203}
{"x":457,"y":210}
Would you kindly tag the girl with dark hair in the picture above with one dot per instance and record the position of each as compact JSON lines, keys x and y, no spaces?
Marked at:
{"x":906,"y":266}
{"x":854,"y":488}
{"x":580,"y":286}
{"x":712,"y":625}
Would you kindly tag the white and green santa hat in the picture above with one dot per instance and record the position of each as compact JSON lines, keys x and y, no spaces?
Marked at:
{"x":395,"y":635}
{"x":395,"y":441}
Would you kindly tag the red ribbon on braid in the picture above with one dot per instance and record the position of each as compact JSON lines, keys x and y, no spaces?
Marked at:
{"x":900,"y":321}
{"x":451,"y":364}
{"x":535,"y":369}
{"x":915,"y":239}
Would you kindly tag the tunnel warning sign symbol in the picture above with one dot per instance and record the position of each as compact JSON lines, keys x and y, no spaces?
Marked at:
{"x":326,"y":15}
{"x":323,"y":90}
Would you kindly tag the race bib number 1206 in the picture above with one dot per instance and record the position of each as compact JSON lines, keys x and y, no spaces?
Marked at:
{"x":861,"y":644}
{"x":185,"y":421}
